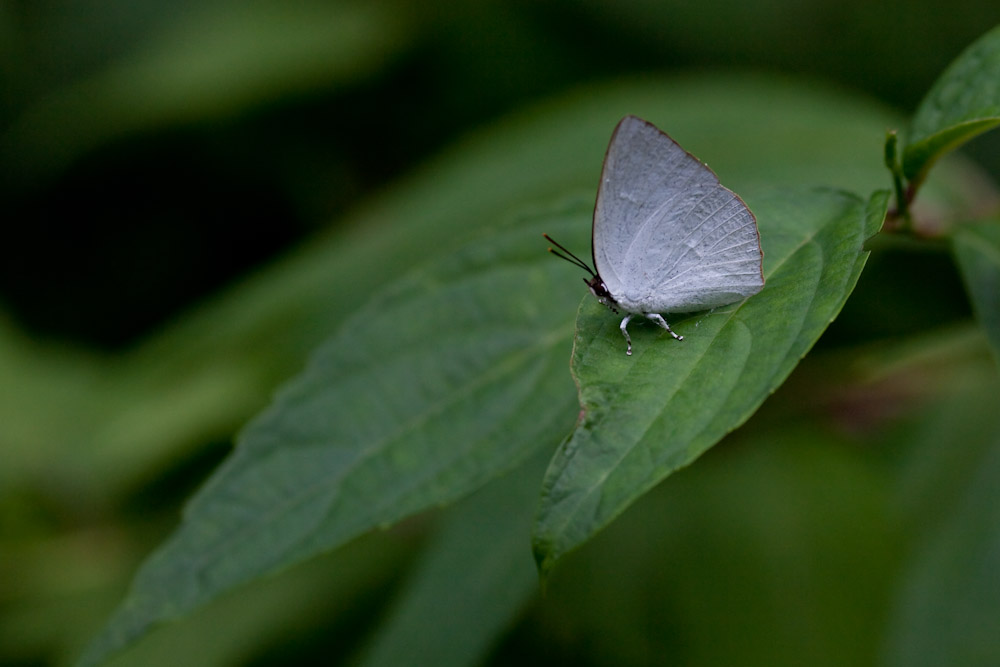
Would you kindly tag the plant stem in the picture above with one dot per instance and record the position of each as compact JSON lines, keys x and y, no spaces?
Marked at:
{"x":901,"y":214}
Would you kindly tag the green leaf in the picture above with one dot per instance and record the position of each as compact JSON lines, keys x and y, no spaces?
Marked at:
{"x":963,"y":102}
{"x":427,"y":393}
{"x":950,"y":606}
{"x":325,"y":592}
{"x":775,"y":549}
{"x":947,"y":605}
{"x":470,"y":583}
{"x":647,"y":415}
{"x":977,"y":249}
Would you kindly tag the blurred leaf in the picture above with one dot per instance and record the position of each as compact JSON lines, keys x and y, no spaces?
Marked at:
{"x":206,"y":63}
{"x":327,"y":595}
{"x":448,"y":379}
{"x":977,"y":248}
{"x":647,"y":415}
{"x":73,"y":571}
{"x":947,"y":608}
{"x":788,"y":36}
{"x":775,"y":549}
{"x":472,"y":580}
{"x":963,"y":102}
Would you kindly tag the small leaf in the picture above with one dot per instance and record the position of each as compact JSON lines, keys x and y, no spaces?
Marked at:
{"x":453,"y":376}
{"x":977,"y":248}
{"x":648,"y":415}
{"x":963,"y":102}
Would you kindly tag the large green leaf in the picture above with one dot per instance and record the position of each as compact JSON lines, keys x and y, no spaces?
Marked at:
{"x":647,"y":415}
{"x":424,"y":395}
{"x":977,"y":248}
{"x":964,"y":102}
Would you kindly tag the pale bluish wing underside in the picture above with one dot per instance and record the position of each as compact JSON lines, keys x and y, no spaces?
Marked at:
{"x":667,"y":236}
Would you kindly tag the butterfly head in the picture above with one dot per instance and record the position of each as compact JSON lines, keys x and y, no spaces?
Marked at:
{"x":600,"y":290}
{"x":596,"y":285}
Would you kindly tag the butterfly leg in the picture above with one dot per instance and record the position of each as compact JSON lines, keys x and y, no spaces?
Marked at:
{"x":663,"y":323}
{"x":625,"y":333}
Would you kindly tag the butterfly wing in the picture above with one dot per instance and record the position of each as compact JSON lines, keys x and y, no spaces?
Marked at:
{"x":667,"y":236}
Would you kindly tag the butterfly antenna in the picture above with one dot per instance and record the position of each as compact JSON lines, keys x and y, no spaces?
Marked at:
{"x":569,"y":257}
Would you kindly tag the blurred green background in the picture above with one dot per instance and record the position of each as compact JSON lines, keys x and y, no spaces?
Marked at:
{"x":140,"y":137}
{"x":159,"y":158}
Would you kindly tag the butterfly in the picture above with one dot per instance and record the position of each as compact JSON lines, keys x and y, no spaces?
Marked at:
{"x":667,"y":236}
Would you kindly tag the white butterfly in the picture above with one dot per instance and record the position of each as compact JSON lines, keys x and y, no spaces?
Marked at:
{"x":667,"y":236}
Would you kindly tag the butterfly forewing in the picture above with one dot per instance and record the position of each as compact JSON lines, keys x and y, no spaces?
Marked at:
{"x":667,"y":236}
